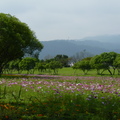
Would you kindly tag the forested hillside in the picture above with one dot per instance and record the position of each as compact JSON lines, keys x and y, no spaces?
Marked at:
{"x":98,"y":45}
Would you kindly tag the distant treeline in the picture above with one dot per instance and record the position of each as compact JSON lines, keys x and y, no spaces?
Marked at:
{"x":109,"y":61}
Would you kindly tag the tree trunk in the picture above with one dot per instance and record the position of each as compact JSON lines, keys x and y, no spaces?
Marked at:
{"x":109,"y":71}
{"x":114,"y":70}
{"x":1,"y":71}
{"x":102,"y":71}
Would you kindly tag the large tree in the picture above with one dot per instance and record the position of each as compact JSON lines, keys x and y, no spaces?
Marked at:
{"x":96,"y":63}
{"x":84,"y":65}
{"x":63,"y":59}
{"x":116,"y":63}
{"x":104,"y":61}
{"x":54,"y":65}
{"x":108,"y":59}
{"x":16,"y":40}
{"x":27,"y":64}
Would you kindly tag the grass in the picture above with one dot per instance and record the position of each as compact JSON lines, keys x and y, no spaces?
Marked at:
{"x":69,"y":71}
{"x":46,"y":97}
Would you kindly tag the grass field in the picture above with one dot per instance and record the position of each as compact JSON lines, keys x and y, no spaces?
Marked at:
{"x":59,"y":97}
{"x":69,"y":71}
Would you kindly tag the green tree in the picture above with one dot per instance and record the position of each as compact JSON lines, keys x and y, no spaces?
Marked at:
{"x":6,"y":68}
{"x":63,"y":59}
{"x":16,"y":40}
{"x":40,"y":66}
{"x":14,"y":65}
{"x":54,"y":65}
{"x":108,"y":59}
{"x":117,"y":63}
{"x":27,"y":64}
{"x":104,"y":61}
{"x":95,"y":63}
{"x":84,"y":65}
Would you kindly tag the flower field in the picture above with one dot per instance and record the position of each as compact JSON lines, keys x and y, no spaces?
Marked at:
{"x":47,"y":97}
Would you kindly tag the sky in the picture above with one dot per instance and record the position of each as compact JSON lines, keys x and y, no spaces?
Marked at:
{"x":66,"y":19}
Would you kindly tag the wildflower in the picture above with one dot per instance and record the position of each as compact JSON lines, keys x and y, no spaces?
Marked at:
{"x":103,"y":103}
{"x":88,"y":99}
{"x":39,"y":87}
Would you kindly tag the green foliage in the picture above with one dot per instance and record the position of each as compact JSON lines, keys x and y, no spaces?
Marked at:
{"x":16,"y":40}
{"x":95,"y":63}
{"x":63,"y":59}
{"x":108,"y":58}
{"x":104,"y":61}
{"x":14,"y":65}
{"x":87,"y":98}
{"x":40,"y":66}
{"x":27,"y":64}
{"x":117,"y":63}
{"x":54,"y":65}
{"x":84,"y":65}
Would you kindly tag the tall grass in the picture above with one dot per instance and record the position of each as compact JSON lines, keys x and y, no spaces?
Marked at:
{"x":59,"y":98}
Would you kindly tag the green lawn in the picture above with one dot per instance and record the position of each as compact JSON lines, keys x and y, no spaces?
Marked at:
{"x":69,"y":71}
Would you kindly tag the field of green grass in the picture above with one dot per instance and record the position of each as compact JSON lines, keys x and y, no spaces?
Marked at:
{"x":67,"y":71}
{"x":71,"y":71}
{"x":66,"y":96}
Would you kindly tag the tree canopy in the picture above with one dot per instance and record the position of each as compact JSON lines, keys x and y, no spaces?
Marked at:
{"x":27,"y":64}
{"x":63,"y":59}
{"x":104,"y":61}
{"x":16,"y":40}
{"x":84,"y":65}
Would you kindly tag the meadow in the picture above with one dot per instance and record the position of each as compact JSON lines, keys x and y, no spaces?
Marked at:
{"x":66,"y":96}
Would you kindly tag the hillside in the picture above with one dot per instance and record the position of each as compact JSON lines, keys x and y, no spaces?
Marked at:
{"x":104,"y":38}
{"x":71,"y":47}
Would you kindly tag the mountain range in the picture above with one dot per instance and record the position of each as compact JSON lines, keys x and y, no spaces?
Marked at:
{"x":94,"y":45}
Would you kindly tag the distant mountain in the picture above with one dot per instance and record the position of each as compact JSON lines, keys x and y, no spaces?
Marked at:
{"x":93,"y":45}
{"x":104,"y":38}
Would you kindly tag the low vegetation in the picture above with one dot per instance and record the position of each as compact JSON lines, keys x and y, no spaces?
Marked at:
{"x":59,"y":97}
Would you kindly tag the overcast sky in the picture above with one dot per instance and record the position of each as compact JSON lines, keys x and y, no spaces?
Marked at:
{"x":66,"y":19}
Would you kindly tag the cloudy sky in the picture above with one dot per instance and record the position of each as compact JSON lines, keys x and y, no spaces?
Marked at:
{"x":66,"y":19}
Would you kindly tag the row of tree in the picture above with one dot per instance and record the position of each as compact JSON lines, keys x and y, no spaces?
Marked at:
{"x":109,"y":61}
{"x":30,"y":64}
